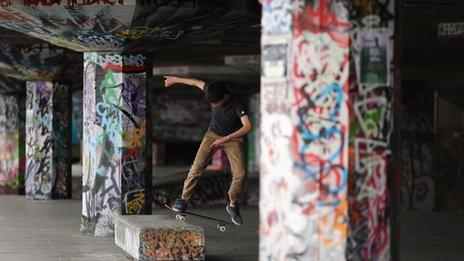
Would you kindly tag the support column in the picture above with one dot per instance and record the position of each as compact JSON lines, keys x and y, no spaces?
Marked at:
{"x":11,"y":144}
{"x":116,"y":170}
{"x":326,"y":121}
{"x":48,"y":161}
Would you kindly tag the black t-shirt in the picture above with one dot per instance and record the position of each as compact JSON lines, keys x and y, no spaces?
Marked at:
{"x":225,"y":119}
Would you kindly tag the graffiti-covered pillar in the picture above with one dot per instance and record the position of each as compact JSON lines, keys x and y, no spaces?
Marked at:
{"x":48,"y":159}
{"x":116,"y":144}
{"x":326,"y":122}
{"x":11,"y":144}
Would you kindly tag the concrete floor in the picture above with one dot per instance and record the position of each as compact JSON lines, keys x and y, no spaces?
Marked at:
{"x":49,"y":230}
{"x":432,"y":236}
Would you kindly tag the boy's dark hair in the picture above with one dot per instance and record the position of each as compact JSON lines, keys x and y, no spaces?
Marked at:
{"x":215,"y":91}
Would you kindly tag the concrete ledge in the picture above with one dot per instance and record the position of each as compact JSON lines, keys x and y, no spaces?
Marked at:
{"x":159,"y":237}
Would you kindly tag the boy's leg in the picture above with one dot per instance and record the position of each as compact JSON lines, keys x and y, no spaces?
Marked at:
{"x":235,"y":152}
{"x":204,"y":154}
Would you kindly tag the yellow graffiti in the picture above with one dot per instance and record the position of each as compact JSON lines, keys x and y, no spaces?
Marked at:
{"x":133,"y":206}
{"x":367,"y":7}
{"x":136,"y":33}
{"x":134,"y":137}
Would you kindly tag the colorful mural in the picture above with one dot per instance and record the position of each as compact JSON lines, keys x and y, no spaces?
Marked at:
{"x":48,"y":169}
{"x":116,"y":174}
{"x":371,"y":125}
{"x":326,"y":123}
{"x":11,"y":145}
{"x":304,"y":160}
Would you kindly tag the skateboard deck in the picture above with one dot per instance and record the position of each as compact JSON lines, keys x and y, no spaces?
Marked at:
{"x":220,"y":224}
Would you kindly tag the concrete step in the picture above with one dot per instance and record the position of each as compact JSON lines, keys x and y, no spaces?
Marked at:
{"x":159,"y":237}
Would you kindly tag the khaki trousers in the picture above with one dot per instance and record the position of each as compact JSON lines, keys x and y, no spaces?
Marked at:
{"x":235,"y":152}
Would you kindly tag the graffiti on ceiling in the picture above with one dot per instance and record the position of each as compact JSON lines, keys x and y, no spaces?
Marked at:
{"x":137,"y":25}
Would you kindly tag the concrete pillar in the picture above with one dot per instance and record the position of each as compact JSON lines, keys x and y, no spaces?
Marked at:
{"x":116,"y":150}
{"x":326,"y":121}
{"x":11,"y":144}
{"x":48,"y":161}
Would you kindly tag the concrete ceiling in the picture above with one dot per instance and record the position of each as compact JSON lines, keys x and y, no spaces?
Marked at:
{"x":193,"y":33}
{"x":130,"y":25}
{"x":39,"y":61}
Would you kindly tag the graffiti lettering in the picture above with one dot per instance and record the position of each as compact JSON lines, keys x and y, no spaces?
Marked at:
{"x":135,"y":33}
{"x":113,"y":140}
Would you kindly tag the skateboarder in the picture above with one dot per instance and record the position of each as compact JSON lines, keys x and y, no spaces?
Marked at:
{"x":229,"y":124}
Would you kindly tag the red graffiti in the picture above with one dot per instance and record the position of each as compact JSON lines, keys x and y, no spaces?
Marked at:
{"x":320,"y":19}
{"x":41,"y":2}
{"x":15,"y":17}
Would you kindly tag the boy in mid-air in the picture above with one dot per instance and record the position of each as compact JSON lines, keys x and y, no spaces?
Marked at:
{"x":229,"y":124}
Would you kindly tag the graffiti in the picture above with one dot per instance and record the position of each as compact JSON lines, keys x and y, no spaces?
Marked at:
{"x":274,"y":95}
{"x":101,"y":27}
{"x":41,"y":2}
{"x":313,"y":76}
{"x":70,"y":2}
{"x":277,"y":16}
{"x":308,"y":206}
{"x":94,"y":2}
{"x":171,"y":3}
{"x":108,"y":42}
{"x":135,"y":33}
{"x":11,"y":172}
{"x":39,"y":128}
{"x":118,"y":62}
{"x":114,"y":146}
{"x":5,"y":3}
{"x":34,"y":62}
{"x":134,"y":201}
{"x":15,"y":17}
{"x":418,"y":148}
{"x":371,"y":125}
{"x":172,"y":244}
{"x":47,"y":149}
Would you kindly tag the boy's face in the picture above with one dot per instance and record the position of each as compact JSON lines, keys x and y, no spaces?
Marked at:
{"x":221,"y":101}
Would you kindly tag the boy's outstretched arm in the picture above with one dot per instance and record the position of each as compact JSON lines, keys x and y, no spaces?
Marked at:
{"x":171,"y":80}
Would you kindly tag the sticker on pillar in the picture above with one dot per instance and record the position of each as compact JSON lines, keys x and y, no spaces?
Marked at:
{"x":274,"y":60}
{"x":277,"y":17}
{"x":275,"y":95}
{"x":373,"y":63}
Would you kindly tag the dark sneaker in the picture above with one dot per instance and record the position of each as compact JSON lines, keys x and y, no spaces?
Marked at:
{"x":179,"y":205}
{"x":234,"y":213}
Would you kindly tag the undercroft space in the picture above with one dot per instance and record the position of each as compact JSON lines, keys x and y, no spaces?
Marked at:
{"x":337,"y":127}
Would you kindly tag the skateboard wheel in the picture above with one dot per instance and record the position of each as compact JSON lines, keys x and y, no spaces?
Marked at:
{"x":221,"y":228}
{"x":180,"y":217}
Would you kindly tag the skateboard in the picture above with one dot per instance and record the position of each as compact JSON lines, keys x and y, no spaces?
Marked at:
{"x":220,"y":224}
